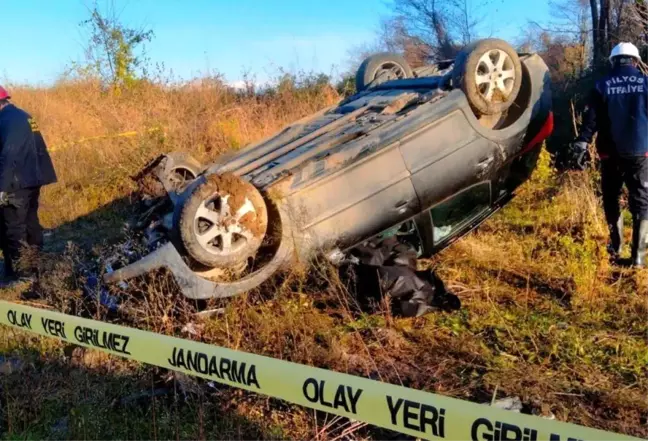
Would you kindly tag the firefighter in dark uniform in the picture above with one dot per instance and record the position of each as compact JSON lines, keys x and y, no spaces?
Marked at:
{"x":25,"y":166}
{"x":618,"y":111}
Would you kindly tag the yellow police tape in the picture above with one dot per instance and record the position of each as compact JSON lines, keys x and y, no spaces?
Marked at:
{"x":414,"y":412}
{"x":58,"y":147}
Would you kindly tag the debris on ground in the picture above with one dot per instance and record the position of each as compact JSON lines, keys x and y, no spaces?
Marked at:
{"x":184,"y":384}
{"x":93,"y":290}
{"x":132,"y":249}
{"x":513,"y":404}
{"x":210,"y":313}
{"x":80,"y":356}
{"x":60,"y":428}
{"x":10,"y":365}
{"x":193,"y":329}
{"x":142,"y":398}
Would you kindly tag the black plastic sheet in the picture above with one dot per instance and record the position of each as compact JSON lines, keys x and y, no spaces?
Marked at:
{"x":389,"y":268}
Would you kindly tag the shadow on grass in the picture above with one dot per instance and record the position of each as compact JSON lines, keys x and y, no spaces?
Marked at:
{"x":559,"y":290}
{"x":80,"y":394}
{"x":103,"y":225}
{"x":72,"y":393}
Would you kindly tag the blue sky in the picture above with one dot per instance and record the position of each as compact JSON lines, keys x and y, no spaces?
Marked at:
{"x":229,"y":36}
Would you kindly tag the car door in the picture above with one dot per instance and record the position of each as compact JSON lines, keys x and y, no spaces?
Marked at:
{"x":362,"y":200}
{"x":447,"y":157}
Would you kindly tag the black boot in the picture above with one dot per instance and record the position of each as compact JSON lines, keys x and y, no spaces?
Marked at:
{"x":616,"y":239}
{"x":639,"y":242}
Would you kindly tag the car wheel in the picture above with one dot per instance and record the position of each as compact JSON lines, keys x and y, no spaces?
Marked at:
{"x":165,"y":174}
{"x":180,"y":168}
{"x":379,"y":68}
{"x":490,"y":74}
{"x":223,"y":221}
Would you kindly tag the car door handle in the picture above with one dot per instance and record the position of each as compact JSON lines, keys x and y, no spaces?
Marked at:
{"x":485,"y":162}
{"x":401,"y":207}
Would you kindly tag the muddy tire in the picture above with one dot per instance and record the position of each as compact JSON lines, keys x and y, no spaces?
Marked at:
{"x":489,"y":72}
{"x":379,"y":68}
{"x":223,"y":221}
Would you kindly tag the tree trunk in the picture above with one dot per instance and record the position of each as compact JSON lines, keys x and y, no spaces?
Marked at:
{"x":446,"y":45}
{"x":604,"y":28}
{"x":641,"y":11}
{"x":595,"y":34}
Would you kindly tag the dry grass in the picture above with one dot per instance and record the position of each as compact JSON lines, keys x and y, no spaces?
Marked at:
{"x":544,"y":316}
{"x":204,"y":119}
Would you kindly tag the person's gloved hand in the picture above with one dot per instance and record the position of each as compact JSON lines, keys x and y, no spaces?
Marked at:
{"x":578,"y":154}
{"x":4,"y":199}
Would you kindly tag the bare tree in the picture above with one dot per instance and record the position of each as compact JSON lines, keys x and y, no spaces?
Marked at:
{"x":443,"y":26}
{"x":629,"y":19}
{"x":598,"y":24}
{"x":397,"y":38}
{"x":566,"y":40}
{"x":393,"y":36}
{"x":424,"y":31}
{"x":614,"y":21}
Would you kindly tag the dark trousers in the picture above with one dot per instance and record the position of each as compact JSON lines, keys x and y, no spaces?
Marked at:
{"x":633,"y":171}
{"x":19,"y":226}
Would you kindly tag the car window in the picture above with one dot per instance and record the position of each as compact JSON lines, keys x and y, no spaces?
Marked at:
{"x":406,"y":233}
{"x":453,"y":214}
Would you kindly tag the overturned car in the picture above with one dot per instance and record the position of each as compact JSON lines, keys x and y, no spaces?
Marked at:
{"x":429,"y":152}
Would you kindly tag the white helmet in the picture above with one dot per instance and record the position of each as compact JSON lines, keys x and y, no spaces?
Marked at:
{"x":625,"y":49}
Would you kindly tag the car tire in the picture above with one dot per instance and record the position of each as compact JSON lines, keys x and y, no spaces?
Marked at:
{"x":489,"y":72}
{"x":381,"y":67}
{"x":236,"y":236}
{"x":180,"y":168}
